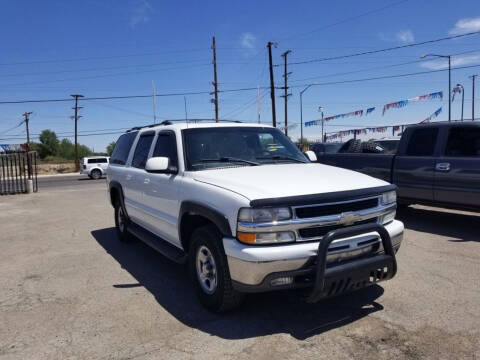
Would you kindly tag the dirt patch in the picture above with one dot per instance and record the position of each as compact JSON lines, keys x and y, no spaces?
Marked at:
{"x":45,"y":169}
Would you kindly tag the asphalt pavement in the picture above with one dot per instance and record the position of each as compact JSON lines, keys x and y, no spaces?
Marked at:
{"x":70,"y":290}
{"x":67,"y":180}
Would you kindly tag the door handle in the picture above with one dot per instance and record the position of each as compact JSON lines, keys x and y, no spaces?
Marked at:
{"x":146,"y":181}
{"x":442,"y":166}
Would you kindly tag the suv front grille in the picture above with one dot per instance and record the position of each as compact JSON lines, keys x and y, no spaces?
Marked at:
{"x":319,"y":231}
{"x":333,"y":209}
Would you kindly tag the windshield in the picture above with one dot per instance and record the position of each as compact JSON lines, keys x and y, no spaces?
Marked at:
{"x":207,"y":148}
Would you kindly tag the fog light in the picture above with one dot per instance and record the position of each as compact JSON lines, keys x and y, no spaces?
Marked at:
{"x":282,"y":281}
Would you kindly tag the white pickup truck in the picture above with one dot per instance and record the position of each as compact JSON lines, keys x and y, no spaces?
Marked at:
{"x":248,"y":212}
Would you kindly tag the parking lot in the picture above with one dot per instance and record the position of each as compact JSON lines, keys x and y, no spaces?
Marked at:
{"x":69,"y":289}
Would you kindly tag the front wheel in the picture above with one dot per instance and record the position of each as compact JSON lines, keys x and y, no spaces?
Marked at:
{"x":209,"y":271}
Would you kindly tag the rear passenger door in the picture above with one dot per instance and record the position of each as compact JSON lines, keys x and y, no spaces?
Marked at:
{"x":161,"y":191}
{"x":414,"y":167}
{"x":117,"y":169}
{"x":457,"y":173}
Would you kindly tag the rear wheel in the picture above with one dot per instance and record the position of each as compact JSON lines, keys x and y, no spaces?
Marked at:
{"x":209,"y":271}
{"x":121,"y":223}
{"x":96,"y":174}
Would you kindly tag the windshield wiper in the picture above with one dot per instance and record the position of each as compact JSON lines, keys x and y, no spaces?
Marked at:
{"x":230,"y":159}
{"x":279,"y":157}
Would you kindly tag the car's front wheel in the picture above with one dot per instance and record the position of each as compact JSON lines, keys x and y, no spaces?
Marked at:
{"x":209,"y":271}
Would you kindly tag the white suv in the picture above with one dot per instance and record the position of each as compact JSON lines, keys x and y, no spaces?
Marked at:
{"x":248,"y":216}
{"x":94,"y":167}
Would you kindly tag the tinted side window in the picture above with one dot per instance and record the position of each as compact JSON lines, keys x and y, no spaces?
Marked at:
{"x":463,"y":142}
{"x":167,"y":147}
{"x":122,"y":148}
{"x":141,"y":151}
{"x":422,"y":142}
{"x":97,"y":161}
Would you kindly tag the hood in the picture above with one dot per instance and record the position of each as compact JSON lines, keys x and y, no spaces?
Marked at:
{"x":282,"y":180}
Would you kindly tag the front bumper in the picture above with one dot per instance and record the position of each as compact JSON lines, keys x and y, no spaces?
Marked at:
{"x":253,"y":268}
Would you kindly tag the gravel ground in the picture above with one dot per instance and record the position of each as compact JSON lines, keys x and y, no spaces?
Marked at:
{"x":70,"y":290}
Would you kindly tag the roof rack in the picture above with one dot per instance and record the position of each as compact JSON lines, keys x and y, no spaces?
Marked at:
{"x":172,"y":121}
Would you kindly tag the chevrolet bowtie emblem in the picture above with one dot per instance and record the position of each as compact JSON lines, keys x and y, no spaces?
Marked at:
{"x":348,"y":218}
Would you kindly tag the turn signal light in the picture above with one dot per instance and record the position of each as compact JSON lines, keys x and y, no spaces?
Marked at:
{"x":248,"y":238}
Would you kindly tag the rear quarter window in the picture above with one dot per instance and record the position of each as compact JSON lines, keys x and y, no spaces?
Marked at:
{"x":122,"y":148}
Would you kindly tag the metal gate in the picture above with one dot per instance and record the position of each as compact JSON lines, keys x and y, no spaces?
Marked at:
{"x":16,"y":168}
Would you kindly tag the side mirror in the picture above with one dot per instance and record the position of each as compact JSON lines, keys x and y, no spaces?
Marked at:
{"x":158,"y":165}
{"x":310,"y":155}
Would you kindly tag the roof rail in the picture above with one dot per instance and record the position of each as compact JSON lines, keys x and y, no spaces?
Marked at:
{"x":172,"y":121}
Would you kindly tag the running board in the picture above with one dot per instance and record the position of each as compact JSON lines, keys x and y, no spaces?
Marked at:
{"x":163,"y":247}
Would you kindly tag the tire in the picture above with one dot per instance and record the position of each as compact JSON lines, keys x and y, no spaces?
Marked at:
{"x":370,"y":147}
{"x":121,"y":224}
{"x":207,"y":259}
{"x":96,"y":174}
{"x":351,"y":146}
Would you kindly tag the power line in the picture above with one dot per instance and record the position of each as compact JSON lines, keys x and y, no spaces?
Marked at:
{"x":379,"y":67}
{"x":345,"y":20}
{"x":383,"y":50}
{"x":233,"y":90}
{"x":104,"y":76}
{"x":99,"y":57}
{"x":389,"y":76}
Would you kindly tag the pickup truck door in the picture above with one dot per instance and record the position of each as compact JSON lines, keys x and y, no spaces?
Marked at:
{"x":457,"y":171}
{"x":160,"y":191}
{"x":414,"y":166}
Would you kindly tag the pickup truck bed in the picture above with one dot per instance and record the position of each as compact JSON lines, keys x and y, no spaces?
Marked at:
{"x":435,"y":164}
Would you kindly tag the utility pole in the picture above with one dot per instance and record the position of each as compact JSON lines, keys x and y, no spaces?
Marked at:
{"x":215,"y":84}
{"x":76,"y":96}
{"x":320,"y":109}
{"x":272,"y":83}
{"x":26,"y":115}
{"x":258,"y":103}
{"x":473,"y":95}
{"x":185,"y":106}
{"x":285,"y":94}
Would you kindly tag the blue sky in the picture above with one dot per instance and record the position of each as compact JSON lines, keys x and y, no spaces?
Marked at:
{"x":114,"y":48}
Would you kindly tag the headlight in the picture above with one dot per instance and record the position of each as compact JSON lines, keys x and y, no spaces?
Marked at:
{"x":389,"y":217}
{"x":389,"y":197}
{"x":266,"y":238}
{"x":264,"y":215}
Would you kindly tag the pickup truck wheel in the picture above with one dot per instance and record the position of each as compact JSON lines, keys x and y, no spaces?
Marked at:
{"x":121,"y":224}
{"x":209,"y":271}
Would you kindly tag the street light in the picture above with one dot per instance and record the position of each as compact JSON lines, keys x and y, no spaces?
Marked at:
{"x":449,"y":81}
{"x":320,"y":109}
{"x":301,"y":110}
{"x":459,"y":86}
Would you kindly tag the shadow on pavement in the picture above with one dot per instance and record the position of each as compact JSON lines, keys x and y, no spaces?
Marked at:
{"x":460,"y":227}
{"x":261,"y":314}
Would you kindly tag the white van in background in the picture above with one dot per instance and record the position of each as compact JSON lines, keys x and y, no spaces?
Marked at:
{"x":94,"y":167}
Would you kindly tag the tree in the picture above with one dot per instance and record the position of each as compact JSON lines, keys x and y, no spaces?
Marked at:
{"x":48,"y":143}
{"x":66,"y":149}
{"x":110,"y":148}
